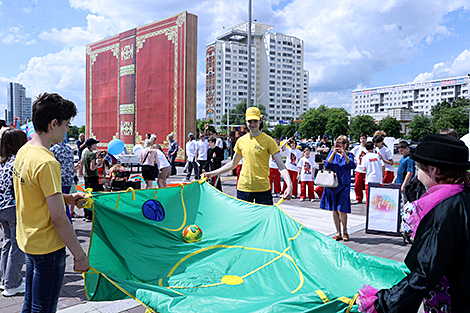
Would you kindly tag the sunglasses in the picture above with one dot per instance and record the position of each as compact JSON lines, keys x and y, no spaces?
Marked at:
{"x":342,"y":142}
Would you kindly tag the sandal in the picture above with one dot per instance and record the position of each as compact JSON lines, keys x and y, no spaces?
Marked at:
{"x":345,"y":236}
{"x":337,"y":237}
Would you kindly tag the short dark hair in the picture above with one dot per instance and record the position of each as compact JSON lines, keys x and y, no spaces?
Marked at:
{"x":213,"y":132}
{"x":50,"y":106}
{"x":3,"y":123}
{"x":12,"y":140}
{"x":378,"y":138}
{"x":212,"y":139}
{"x":363,"y":135}
{"x":449,"y":132}
{"x":369,"y":146}
{"x":403,"y":145}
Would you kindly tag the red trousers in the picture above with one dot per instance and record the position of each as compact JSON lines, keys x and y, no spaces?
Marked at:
{"x":388,"y":178}
{"x":303,"y":189}
{"x":359,"y":185}
{"x":319,"y":191}
{"x":295,"y":182}
{"x":275,"y":178}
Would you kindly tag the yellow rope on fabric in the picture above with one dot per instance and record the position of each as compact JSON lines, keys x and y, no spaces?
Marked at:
{"x":133,"y":192}
{"x":322,"y":296}
{"x":352,"y":303}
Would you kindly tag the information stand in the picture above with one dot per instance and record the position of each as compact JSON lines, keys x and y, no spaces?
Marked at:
{"x":383,"y":209}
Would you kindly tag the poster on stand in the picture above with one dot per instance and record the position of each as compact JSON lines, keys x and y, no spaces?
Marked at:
{"x":383,"y":209}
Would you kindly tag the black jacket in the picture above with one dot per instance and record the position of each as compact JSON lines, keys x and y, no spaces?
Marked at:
{"x":441,"y":247}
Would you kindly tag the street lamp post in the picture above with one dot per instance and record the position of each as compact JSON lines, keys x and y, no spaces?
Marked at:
{"x":257,"y":100}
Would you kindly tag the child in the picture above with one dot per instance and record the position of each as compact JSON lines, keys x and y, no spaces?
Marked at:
{"x":373,"y":166}
{"x":406,"y":167}
{"x":387,"y":157}
{"x":306,"y":173}
{"x":293,"y":156}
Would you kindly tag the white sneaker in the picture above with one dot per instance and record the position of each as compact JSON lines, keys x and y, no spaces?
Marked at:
{"x":278,"y":195}
{"x":14,"y":291}
{"x":293,"y":197}
{"x":313,"y":200}
{"x":301,"y":199}
{"x":2,"y":287}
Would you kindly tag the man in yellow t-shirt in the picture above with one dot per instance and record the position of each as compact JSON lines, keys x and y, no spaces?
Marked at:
{"x":255,"y":147}
{"x":43,"y":228}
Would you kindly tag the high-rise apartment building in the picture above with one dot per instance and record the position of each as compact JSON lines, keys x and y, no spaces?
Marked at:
{"x":420,"y":97}
{"x":18,"y":105}
{"x":278,"y":79}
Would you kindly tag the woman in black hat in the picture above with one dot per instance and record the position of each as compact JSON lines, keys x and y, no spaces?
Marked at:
{"x":440,"y":255}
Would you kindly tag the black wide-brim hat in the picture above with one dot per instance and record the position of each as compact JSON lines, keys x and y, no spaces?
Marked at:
{"x":442,"y":151}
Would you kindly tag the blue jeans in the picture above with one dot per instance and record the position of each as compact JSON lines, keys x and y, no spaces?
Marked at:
{"x":12,"y":257}
{"x":262,"y":197}
{"x":172,"y":164}
{"x":44,"y":278}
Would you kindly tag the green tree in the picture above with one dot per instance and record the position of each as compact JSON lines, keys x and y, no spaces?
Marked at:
{"x":81,"y":130}
{"x":200,"y":128}
{"x":451,"y":115}
{"x":337,"y":122}
{"x":419,"y":127}
{"x":73,"y":132}
{"x":237,"y":115}
{"x":391,"y":126}
{"x":278,"y":130}
{"x":362,"y":124}
{"x":314,"y":122}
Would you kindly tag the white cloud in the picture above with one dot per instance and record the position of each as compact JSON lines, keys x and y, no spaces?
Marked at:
{"x":15,"y":35}
{"x":98,"y":27}
{"x":460,"y":66}
{"x":61,"y":72}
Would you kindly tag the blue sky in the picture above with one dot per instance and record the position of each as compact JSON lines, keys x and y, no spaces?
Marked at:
{"x":349,"y":44}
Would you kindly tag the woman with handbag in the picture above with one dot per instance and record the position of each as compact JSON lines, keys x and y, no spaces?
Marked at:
{"x":337,"y":198}
{"x":149,"y":161}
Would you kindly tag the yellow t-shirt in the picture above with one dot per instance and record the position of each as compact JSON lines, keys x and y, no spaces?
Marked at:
{"x":36,"y":175}
{"x":255,"y":151}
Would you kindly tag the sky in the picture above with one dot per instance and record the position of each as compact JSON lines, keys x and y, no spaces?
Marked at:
{"x":349,"y":44}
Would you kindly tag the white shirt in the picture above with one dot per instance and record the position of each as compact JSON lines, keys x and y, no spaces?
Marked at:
{"x":162,"y":161}
{"x":386,"y":155}
{"x":292,"y":158}
{"x":307,"y":168}
{"x":191,"y":150}
{"x":372,"y":165}
{"x":272,"y":163}
{"x":359,"y":152}
{"x":219,"y":143}
{"x":202,"y":147}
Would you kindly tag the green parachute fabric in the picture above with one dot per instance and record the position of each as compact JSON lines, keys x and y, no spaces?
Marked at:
{"x":252,"y":258}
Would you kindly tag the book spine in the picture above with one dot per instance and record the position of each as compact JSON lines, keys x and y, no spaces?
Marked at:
{"x":127,"y":88}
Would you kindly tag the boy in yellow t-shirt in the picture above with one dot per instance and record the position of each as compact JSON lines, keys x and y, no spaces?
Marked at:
{"x":43,"y":228}
{"x":255,"y":147}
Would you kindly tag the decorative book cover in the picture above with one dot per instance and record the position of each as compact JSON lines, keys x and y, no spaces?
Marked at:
{"x":143,"y":81}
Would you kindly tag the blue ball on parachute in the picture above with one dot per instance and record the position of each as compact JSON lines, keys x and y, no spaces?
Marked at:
{"x":192,"y":233}
{"x":115,"y":146}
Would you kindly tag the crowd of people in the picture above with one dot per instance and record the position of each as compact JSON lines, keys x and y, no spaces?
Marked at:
{"x":37,"y":199}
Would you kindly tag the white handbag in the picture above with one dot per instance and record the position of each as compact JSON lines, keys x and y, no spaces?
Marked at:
{"x":326,"y":178}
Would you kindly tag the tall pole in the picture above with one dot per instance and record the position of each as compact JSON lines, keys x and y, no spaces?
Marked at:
{"x":248,"y":100}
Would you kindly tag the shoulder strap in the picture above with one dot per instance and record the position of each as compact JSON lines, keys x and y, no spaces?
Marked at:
{"x":145,"y":159}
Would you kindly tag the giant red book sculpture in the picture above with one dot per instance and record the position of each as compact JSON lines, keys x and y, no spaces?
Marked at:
{"x":143,"y":81}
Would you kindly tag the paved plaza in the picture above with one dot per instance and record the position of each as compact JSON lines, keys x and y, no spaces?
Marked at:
{"x":73,"y":299}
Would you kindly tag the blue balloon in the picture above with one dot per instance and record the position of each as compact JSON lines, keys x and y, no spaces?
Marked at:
{"x":115,"y":146}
